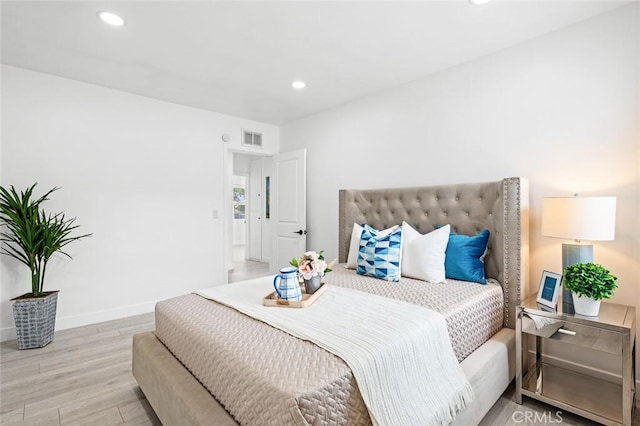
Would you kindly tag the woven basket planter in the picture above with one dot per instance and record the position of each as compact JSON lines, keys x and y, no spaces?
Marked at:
{"x":35,"y":320}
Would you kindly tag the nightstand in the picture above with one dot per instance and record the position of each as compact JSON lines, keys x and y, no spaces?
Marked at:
{"x":613,"y":331}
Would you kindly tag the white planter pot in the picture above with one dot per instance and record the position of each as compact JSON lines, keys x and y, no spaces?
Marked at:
{"x":586,"y":306}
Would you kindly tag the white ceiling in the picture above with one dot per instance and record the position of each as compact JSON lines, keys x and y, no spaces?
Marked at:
{"x":239,"y":58}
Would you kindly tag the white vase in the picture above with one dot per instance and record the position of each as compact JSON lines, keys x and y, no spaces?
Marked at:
{"x":586,"y":305}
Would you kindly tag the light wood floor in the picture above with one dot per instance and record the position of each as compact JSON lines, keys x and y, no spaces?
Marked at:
{"x":84,"y":378}
{"x":246,"y":269}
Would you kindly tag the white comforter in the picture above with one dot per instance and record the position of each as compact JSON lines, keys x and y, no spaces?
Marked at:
{"x":399,"y":353}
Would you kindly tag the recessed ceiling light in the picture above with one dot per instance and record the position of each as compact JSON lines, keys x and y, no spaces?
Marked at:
{"x":111,"y":18}
{"x":298,"y":84}
{"x":479,"y":2}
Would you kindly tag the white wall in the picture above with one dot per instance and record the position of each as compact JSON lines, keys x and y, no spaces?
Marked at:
{"x":143,"y":175}
{"x":241,"y":164}
{"x":562,"y":110}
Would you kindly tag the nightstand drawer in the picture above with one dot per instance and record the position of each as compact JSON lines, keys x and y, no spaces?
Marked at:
{"x":576,"y":334}
{"x":589,"y":337}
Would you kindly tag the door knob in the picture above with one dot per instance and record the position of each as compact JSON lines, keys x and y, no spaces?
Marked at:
{"x":300,"y":232}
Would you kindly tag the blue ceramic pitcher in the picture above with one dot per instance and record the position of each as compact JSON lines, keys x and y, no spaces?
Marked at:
{"x":286,"y":284}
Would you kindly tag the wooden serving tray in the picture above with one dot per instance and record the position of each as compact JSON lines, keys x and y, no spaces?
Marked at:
{"x":307,"y":299}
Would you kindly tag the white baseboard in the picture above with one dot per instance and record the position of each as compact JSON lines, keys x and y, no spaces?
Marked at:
{"x":63,"y":323}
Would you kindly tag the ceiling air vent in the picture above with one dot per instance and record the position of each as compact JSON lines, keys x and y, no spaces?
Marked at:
{"x":252,"y":139}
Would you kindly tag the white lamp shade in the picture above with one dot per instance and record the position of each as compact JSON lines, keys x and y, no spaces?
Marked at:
{"x":579,"y":218}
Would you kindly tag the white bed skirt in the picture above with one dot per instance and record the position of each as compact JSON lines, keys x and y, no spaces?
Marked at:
{"x":490,"y":369}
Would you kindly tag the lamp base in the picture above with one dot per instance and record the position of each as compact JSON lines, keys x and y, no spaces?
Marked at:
{"x":571,"y":254}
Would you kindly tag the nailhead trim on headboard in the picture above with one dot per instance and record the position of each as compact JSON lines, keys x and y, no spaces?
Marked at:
{"x":505,"y":224}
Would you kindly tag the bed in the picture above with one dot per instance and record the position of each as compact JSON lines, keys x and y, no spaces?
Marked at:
{"x":485,"y":346}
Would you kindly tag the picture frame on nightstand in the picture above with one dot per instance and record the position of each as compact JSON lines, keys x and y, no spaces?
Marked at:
{"x":550,"y":287}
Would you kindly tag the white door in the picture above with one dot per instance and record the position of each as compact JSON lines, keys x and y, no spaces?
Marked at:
{"x":289,"y":205}
{"x":255,"y":211}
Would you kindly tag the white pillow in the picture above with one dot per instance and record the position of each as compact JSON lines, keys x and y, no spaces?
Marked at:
{"x":423,"y":255}
{"x":354,"y":244}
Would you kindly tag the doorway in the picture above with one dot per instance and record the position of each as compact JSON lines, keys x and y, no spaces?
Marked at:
{"x":275,"y":212}
{"x":251,"y":230}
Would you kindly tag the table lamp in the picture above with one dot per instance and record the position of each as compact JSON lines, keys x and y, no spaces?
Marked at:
{"x":579,"y":219}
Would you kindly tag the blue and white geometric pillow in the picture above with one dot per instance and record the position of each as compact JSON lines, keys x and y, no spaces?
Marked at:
{"x":380,"y":256}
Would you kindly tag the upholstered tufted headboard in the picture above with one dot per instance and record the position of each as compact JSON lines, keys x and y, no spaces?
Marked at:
{"x":502,"y":207}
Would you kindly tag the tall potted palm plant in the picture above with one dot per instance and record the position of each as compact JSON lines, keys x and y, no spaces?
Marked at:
{"x":32,"y":237}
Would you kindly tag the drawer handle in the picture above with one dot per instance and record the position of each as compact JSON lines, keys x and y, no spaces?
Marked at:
{"x":569,"y":332}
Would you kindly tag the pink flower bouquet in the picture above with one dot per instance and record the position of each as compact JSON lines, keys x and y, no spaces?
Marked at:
{"x":311,"y":264}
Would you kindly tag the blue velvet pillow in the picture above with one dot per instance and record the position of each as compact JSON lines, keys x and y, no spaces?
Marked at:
{"x":379,"y":255}
{"x":464,"y":257}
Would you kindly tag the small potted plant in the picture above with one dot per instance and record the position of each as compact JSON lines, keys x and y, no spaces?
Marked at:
{"x":589,"y":283}
{"x":312,"y":268}
{"x":32,"y":236}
